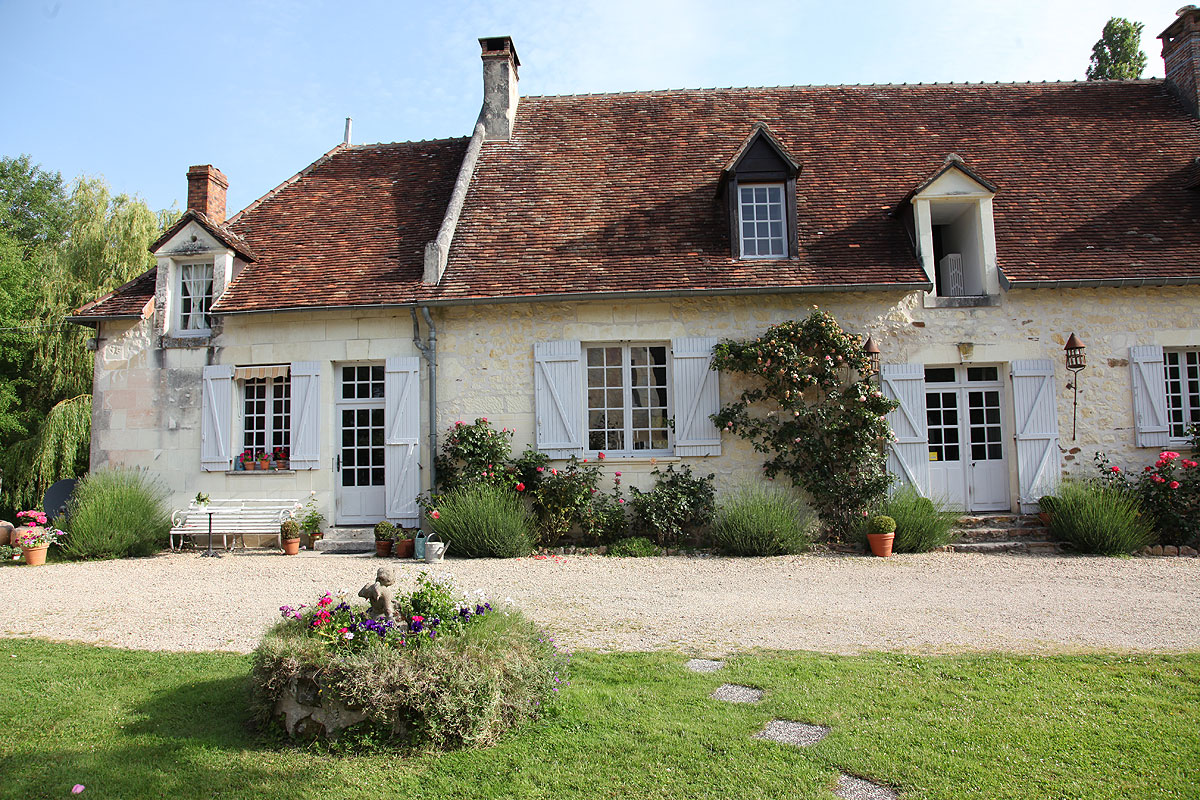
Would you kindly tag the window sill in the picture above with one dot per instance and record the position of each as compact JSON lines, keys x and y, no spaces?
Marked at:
{"x":260,"y":472}
{"x":202,"y":340}
{"x":608,"y":459}
{"x":969,"y":301}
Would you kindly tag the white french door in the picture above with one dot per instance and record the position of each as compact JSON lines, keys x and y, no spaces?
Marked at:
{"x":361,"y":496}
{"x":968,"y":465}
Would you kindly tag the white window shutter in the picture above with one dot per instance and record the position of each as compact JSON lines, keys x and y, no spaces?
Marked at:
{"x":306,"y":415}
{"x":402,"y":444}
{"x":908,"y":456}
{"x":1149,"y":396}
{"x":216,"y":438}
{"x":697,"y":396}
{"x":558,"y":397}
{"x":1036,"y":415}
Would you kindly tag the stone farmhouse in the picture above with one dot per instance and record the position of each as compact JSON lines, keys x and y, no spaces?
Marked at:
{"x":566,"y":270}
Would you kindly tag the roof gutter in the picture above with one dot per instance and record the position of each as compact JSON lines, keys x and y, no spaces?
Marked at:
{"x":1095,"y":283}
{"x":913,"y":286}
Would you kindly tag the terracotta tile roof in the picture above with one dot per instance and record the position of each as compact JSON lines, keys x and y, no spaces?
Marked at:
{"x":617,"y":193}
{"x":130,"y":301}
{"x":350,"y":230}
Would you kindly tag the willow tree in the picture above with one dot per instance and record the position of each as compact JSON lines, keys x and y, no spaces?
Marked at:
{"x":57,"y":251}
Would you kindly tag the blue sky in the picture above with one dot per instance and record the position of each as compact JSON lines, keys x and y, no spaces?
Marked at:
{"x":138,"y":91}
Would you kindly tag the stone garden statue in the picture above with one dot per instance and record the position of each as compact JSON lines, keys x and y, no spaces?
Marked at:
{"x":380,"y":594}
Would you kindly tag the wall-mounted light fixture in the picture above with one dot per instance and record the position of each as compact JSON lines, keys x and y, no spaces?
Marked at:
{"x":1076,"y":361}
{"x":872,"y":351}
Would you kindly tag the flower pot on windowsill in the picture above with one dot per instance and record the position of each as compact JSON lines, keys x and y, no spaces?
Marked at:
{"x":35,"y":556}
{"x":264,"y":465}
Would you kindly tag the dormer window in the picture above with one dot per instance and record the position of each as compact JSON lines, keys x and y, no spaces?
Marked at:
{"x":951,"y":224}
{"x":195,"y":298}
{"x":759,"y":184}
{"x":761,"y":210}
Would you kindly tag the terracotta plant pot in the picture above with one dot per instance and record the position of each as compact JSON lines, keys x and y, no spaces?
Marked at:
{"x":291,"y":547}
{"x":264,"y":465}
{"x":1044,"y":517}
{"x":881,"y":543}
{"x":35,"y":556}
{"x":405,"y":548}
{"x":6,"y":532}
{"x":383,"y":549}
{"x":249,"y":465}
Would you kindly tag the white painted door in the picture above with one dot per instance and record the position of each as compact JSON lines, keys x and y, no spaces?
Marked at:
{"x":968,"y":467}
{"x":361,"y":493}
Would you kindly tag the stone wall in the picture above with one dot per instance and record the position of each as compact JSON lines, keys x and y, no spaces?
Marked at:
{"x":147,"y":409}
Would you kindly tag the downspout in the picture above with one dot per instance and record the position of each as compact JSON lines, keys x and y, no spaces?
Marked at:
{"x":429,"y":351}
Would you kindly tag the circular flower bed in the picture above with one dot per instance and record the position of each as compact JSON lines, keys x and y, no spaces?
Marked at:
{"x":447,"y":672}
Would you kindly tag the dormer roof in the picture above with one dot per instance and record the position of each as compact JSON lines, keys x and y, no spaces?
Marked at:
{"x":762,"y":147}
{"x":219,"y":232}
{"x":953,"y":163}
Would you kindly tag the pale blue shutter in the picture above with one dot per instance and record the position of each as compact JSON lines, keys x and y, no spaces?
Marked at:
{"x":908,"y":455}
{"x":402,"y":446}
{"x":697,"y":396}
{"x":216,"y":437}
{"x":306,"y":415}
{"x":1038,"y":468}
{"x":1149,"y":396}
{"x":558,"y":397}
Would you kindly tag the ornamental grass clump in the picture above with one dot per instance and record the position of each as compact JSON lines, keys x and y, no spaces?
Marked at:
{"x":1103,"y":519}
{"x":759,"y":520}
{"x":419,"y":682}
{"x":115,"y":513}
{"x":483,"y":521}
{"x":922,"y":524}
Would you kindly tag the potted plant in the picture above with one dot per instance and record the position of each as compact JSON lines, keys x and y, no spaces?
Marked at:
{"x":309,"y":517}
{"x":264,"y":460}
{"x":385,"y":534}
{"x":35,"y":541}
{"x":1045,"y":508}
{"x":406,"y":545}
{"x":881,"y":532}
{"x":280,"y":456}
{"x":246,"y":460}
{"x":289,"y":534}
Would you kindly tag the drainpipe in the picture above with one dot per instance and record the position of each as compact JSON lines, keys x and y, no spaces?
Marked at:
{"x":429,"y":350}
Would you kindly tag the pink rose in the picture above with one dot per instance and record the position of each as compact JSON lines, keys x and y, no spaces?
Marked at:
{"x":617,"y":474}
{"x":600,"y":455}
{"x":1174,"y":484}
{"x":520,"y":487}
{"x":1116,"y":469}
{"x":1168,"y":455}
{"x":435,"y":514}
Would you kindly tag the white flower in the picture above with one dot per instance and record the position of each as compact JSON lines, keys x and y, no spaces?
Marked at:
{"x":508,"y":601}
{"x":349,"y":635}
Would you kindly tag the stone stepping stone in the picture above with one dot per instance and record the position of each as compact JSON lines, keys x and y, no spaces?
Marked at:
{"x":704,"y":665}
{"x":798,"y":734}
{"x":732,"y":693}
{"x":852,"y":788}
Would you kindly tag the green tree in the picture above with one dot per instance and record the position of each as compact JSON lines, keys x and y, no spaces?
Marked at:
{"x":57,"y":251}
{"x":1118,"y":55}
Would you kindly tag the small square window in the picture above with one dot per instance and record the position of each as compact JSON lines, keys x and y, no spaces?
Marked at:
{"x":761,"y":211}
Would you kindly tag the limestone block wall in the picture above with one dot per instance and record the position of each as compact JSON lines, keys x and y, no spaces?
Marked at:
{"x":147,"y":407}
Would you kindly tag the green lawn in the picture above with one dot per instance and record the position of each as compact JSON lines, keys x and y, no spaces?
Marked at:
{"x":134,"y":725}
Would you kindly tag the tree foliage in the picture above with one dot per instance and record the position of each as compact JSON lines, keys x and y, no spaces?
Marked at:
{"x":1117,"y":56}
{"x":811,"y":410}
{"x":58,"y":249}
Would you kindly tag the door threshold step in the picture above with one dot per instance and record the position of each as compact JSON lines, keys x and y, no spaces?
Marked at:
{"x":1009,"y":546}
{"x":347,"y":540}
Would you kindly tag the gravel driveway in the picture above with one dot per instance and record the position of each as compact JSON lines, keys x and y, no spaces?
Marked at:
{"x":937,"y":602}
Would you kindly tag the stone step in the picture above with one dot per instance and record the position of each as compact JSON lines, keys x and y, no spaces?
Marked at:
{"x":998,"y":521}
{"x":347,"y":540}
{"x":1008,"y":546}
{"x":1038,"y":534}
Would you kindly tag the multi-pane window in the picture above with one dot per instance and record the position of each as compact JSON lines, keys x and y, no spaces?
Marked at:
{"x":362,"y":383}
{"x":1182,"y":373}
{"x":761,"y":214}
{"x":941,"y":410}
{"x":627,"y":400}
{"x":195,"y":296}
{"x":266,"y":414}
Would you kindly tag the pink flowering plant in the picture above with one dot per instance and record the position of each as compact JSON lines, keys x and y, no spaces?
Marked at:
{"x":474,"y":453}
{"x":32,"y":518}
{"x":1168,"y":492}
{"x":811,"y":410}
{"x":452,"y":669}
{"x":39,"y":537}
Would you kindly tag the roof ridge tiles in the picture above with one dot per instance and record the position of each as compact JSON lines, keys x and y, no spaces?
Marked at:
{"x":377,"y":145}
{"x":644,"y":92}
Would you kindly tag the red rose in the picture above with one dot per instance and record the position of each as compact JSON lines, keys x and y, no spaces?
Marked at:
{"x":520,"y":487}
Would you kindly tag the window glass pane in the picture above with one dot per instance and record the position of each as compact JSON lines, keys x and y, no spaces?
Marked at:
{"x":756,"y":210}
{"x":595,"y":357}
{"x":939,"y":374}
{"x":983,"y":374}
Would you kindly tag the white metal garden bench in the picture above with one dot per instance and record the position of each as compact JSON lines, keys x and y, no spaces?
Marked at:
{"x":231,"y":518}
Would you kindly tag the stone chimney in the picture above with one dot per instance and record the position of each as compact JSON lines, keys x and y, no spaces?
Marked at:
{"x":206,"y":191}
{"x":500,"y":64}
{"x":1181,"y":54}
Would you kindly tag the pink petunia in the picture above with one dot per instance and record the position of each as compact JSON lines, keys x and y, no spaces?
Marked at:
{"x":77,"y":788}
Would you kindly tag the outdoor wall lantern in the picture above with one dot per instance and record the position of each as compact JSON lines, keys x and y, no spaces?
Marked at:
{"x":872,"y":351}
{"x":1076,"y":360}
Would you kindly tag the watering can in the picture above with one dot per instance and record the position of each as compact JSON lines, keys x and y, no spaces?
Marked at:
{"x":419,"y":546}
{"x":434,"y":551}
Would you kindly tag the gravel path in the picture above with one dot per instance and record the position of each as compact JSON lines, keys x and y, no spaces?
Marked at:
{"x":936,"y":602}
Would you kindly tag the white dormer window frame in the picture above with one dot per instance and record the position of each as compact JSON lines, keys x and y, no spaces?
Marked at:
{"x":956,"y":240}
{"x":762,"y":220}
{"x":194,"y":292}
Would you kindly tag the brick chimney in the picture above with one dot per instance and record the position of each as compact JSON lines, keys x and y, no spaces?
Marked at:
{"x":500,"y":64}
{"x":206,"y":191}
{"x":1181,"y":55}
